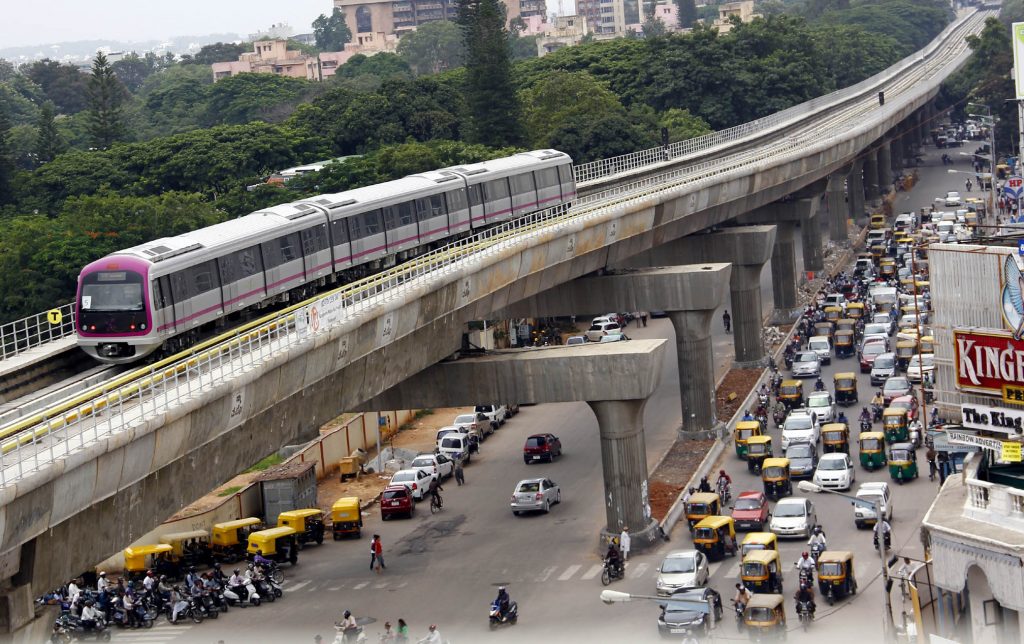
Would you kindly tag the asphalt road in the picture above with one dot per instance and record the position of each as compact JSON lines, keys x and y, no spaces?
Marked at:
{"x":443,"y":568}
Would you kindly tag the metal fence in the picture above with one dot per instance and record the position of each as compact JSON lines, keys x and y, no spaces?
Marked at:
{"x":24,"y":450}
{"x":21,"y":335}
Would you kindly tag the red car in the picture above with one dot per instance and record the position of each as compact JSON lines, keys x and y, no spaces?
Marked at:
{"x":542,"y":447}
{"x":396,"y":500}
{"x":868,"y":353}
{"x":750,"y":512}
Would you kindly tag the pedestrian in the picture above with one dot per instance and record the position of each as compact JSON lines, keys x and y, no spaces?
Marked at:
{"x":636,"y":318}
{"x":460,"y":477}
{"x":643,"y":317}
{"x":376,"y":554}
{"x":624,"y":542}
{"x":932,"y":466}
{"x":726,"y":320}
{"x":943,"y":460}
{"x":968,"y":184}
{"x":402,"y":636}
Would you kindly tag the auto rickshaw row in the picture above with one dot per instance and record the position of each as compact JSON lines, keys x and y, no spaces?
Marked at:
{"x":233,"y":541}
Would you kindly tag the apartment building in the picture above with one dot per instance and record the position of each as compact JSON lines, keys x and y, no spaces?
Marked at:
{"x":402,"y":16}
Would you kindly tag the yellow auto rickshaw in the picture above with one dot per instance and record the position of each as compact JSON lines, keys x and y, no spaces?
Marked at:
{"x":835,"y":575}
{"x":775,"y":477}
{"x":229,"y":538}
{"x":846,"y":324}
{"x":187,"y":549}
{"x":902,"y":462}
{"x":702,"y":505}
{"x":759,"y":541}
{"x":761,"y":571}
{"x":844,"y":344}
{"x":765,"y":618}
{"x":758,"y":449}
{"x":308,"y":524}
{"x":855,"y":310}
{"x":887,"y":267}
{"x":872,"y":450}
{"x":896,"y":425}
{"x":927,"y":344}
{"x":139,"y":559}
{"x":905,"y":350}
{"x":877,"y":221}
{"x":791,"y":393}
{"x":277,"y":544}
{"x":877,"y":251}
{"x":346,"y":518}
{"x":833,"y":313}
{"x":824,"y":327}
{"x":715,"y":537}
{"x":744,"y":431}
{"x":835,"y":437}
{"x":845,"y":384}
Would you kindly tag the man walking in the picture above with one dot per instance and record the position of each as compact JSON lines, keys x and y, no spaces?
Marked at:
{"x":460,"y":477}
{"x":376,"y":554}
{"x":624,"y":543}
{"x":726,"y":320}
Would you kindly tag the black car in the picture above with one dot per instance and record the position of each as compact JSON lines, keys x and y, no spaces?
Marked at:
{"x":803,"y":458}
{"x":684,"y":612}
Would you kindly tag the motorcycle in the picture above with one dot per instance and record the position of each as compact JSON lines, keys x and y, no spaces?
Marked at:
{"x":610,"y":573}
{"x":876,"y":412}
{"x":816,"y":549}
{"x":806,"y":577}
{"x":268,"y":588}
{"x":803,"y":609}
{"x":779,"y":415}
{"x":738,"y":610}
{"x":888,"y":541}
{"x":208,"y":606}
{"x":511,"y":616}
{"x":724,"y":492}
{"x":865,"y":425}
{"x":67,"y":627}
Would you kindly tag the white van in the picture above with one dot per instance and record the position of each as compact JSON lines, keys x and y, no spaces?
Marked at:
{"x":455,"y":447}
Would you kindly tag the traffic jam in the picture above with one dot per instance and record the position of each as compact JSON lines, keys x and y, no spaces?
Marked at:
{"x":834,"y":433}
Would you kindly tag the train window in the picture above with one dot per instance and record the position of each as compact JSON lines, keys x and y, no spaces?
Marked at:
{"x":522,"y":184}
{"x":355,"y":226}
{"x":229,"y":269}
{"x":163,"y":293}
{"x":423,"y":209}
{"x":495,"y":190}
{"x":372,"y":223}
{"x":249,"y":261}
{"x":398,"y":215}
{"x":203,"y":278}
{"x":180,"y":286}
{"x":289,"y":247}
{"x":339,"y":231}
{"x":314,"y":239}
{"x":476,"y":195}
{"x":437,"y":206}
{"x":457,"y":200}
{"x":565,"y":175}
{"x":546,"y":178}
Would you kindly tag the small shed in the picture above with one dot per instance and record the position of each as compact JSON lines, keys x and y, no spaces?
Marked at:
{"x":287,"y":487}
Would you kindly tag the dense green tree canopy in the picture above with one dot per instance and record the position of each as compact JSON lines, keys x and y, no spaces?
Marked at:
{"x":249,"y":97}
{"x":331,"y":32}
{"x":433,"y":47}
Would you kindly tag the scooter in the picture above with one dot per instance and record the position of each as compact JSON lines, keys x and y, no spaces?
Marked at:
{"x":353,"y":636}
{"x":738,"y":610}
{"x":511,"y":616}
{"x":242,"y":594}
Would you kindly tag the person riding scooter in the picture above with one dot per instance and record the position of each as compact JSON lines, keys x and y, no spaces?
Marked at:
{"x":805,"y":596}
{"x":503,"y":601}
{"x":865,"y":419}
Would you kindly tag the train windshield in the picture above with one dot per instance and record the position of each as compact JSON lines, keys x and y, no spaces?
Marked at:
{"x":112,"y":291}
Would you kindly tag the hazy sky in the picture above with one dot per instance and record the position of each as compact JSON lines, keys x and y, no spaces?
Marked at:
{"x":45,"y":21}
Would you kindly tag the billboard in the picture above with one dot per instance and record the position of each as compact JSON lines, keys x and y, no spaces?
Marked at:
{"x":987,"y":361}
{"x":1018,"y":58}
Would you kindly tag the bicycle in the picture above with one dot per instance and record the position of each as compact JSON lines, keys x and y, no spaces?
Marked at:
{"x":435,"y":504}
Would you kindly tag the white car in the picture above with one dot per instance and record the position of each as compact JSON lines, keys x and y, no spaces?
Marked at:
{"x":496,"y":414}
{"x":613,"y":337}
{"x":682,"y":569}
{"x":437,"y":465}
{"x":417,"y":481}
{"x":474,"y":433}
{"x":835,"y":471}
{"x":597,"y":331}
{"x":878,"y":328}
{"x":574,"y":340}
{"x":952,"y":199}
{"x":820,"y":402}
{"x":806,"y":365}
{"x":474,"y":422}
{"x":834,"y":299}
{"x":821,"y":345}
{"x":801,"y":425}
{"x":915,"y":370}
{"x":793,"y":517}
{"x":864,"y":516}
{"x":455,"y":446}
{"x":535,"y":494}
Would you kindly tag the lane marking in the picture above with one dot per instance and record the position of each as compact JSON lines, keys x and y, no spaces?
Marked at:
{"x":297,"y":586}
{"x":550,"y":570}
{"x":639,"y":570}
{"x":594,"y":571}
{"x":361,"y":586}
{"x":569,"y":572}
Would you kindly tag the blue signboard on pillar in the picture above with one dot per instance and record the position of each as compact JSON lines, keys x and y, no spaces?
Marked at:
{"x":1014,"y":186}
{"x":1020,"y":247}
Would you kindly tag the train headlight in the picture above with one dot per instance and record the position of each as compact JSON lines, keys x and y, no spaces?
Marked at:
{"x":143,"y":326}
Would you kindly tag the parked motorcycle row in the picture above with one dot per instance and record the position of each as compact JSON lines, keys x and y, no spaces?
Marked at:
{"x":87,"y":614}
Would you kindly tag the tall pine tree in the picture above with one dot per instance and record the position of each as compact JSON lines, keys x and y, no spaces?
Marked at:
{"x":686,"y":11}
{"x":106,"y":96}
{"x":489,"y":91}
{"x":48,"y":140}
{"x":6,"y":158}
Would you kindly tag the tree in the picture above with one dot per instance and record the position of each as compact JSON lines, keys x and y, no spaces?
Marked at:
{"x":433,"y":47}
{"x":106,"y":98}
{"x":132,"y":70}
{"x":248,"y":97}
{"x":654,"y":27}
{"x":6,"y":161}
{"x":523,"y":47}
{"x":687,"y":11}
{"x":563,"y":97}
{"x":331,"y":32}
{"x":62,"y":84}
{"x":49,"y":142}
{"x":489,"y":92}
{"x":220,"y":52}
{"x":383,"y":65}
{"x":682,"y":125}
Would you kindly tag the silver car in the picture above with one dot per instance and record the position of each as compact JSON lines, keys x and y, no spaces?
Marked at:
{"x":682,"y":569}
{"x":535,"y":494}
{"x":883,"y":368}
{"x":806,"y":364}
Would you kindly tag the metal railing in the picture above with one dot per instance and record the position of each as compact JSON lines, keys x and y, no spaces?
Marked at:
{"x":24,"y":334}
{"x":30,"y":445}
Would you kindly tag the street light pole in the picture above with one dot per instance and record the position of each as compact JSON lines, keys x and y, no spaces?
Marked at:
{"x":991,"y":157}
{"x":807,"y":486}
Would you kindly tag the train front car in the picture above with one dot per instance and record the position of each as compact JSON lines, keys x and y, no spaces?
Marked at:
{"x":114,"y":315}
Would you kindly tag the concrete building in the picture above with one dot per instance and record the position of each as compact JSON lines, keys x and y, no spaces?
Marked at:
{"x":274,"y":57}
{"x":974,"y":529}
{"x":565,"y":31}
{"x":402,"y":16}
{"x":281,"y":31}
{"x":744,"y":10}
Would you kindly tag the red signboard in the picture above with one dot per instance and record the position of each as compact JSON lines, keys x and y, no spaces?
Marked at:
{"x":987,"y":361}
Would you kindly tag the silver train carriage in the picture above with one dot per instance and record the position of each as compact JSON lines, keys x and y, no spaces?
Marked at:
{"x":164,"y":294}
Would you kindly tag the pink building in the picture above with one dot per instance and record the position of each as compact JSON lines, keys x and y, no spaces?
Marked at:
{"x":274,"y":57}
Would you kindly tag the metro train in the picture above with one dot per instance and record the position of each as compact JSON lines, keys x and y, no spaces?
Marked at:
{"x":166,"y":294}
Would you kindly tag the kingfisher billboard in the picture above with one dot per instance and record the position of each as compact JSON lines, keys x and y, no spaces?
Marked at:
{"x":988,"y":361}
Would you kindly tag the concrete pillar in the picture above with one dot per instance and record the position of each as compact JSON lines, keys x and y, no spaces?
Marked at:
{"x":855,"y":192}
{"x":695,"y":355}
{"x":838,"y":212}
{"x":810,"y":235}
{"x":871,"y":177}
{"x":884,"y":167}
{"x":897,"y":154}
{"x":784,"y":272}
{"x":624,"y":457}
